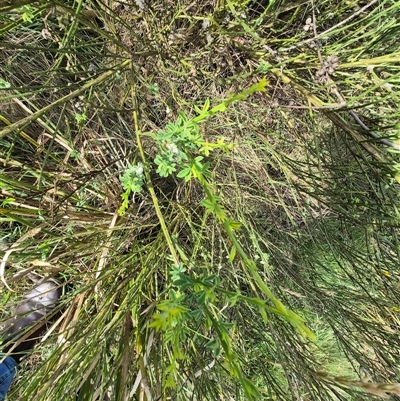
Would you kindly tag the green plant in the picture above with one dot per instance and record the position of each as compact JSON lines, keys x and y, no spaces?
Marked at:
{"x":27,"y":13}
{"x":132,"y":182}
{"x":180,"y":140}
{"x":276,"y":200}
{"x":4,"y":84}
{"x":80,"y":118}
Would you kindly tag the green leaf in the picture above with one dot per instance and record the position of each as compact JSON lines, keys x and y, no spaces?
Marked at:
{"x":4,"y":84}
{"x":234,"y":225}
{"x":211,"y":280}
{"x":232,"y":253}
{"x":205,"y":148}
{"x":7,"y":201}
{"x":186,"y":173}
{"x":218,"y":108}
{"x":197,"y":109}
{"x":215,"y":346}
{"x":123,"y":207}
{"x":196,"y":314}
{"x":165,"y":165}
{"x":27,"y":13}
{"x":258,"y":87}
{"x":201,"y":297}
{"x":80,"y":118}
{"x":170,"y":382}
{"x":233,"y":299}
{"x":250,"y":389}
{"x":177,"y":272}
{"x":263,"y":314}
{"x":206,"y":105}
{"x":160,"y":321}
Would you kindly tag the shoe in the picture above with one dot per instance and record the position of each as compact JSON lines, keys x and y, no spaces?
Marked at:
{"x":36,"y":304}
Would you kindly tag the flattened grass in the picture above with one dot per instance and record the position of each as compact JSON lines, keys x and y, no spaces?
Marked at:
{"x":317,"y":197}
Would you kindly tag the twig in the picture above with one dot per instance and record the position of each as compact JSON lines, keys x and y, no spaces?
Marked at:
{"x":15,"y":247}
{"x":372,"y":133}
{"x":299,"y":44}
{"x":340,"y":97}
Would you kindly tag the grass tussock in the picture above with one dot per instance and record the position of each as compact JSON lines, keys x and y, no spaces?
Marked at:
{"x":216,"y":187}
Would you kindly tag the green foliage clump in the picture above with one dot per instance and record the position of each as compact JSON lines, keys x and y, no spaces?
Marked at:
{"x":132,"y":182}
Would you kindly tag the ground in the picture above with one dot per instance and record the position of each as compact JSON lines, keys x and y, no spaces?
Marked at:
{"x":215,"y":186}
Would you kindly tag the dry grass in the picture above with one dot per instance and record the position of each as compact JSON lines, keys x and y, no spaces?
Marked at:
{"x":316,"y":196}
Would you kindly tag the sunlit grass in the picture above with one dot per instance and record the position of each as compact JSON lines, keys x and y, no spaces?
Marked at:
{"x":85,"y":89}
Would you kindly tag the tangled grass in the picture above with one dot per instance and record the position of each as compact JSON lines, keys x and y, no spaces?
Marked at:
{"x":178,"y":298}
